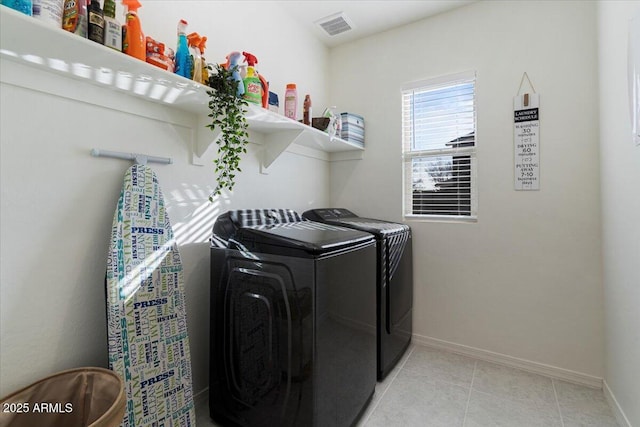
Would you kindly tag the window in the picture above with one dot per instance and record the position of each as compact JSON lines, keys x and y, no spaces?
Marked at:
{"x":439,"y":147}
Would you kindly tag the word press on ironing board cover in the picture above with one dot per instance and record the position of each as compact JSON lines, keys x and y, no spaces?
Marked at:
{"x":146,"y":315}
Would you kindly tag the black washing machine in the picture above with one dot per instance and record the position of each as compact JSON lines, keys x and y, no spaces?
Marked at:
{"x":394,"y":274}
{"x":293,"y":335}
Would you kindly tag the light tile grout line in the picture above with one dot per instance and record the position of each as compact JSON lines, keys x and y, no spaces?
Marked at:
{"x":466,"y":408}
{"x":373,"y":409}
{"x":555,"y":393}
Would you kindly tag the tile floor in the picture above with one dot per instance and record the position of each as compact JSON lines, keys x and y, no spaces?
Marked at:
{"x":432,"y":387}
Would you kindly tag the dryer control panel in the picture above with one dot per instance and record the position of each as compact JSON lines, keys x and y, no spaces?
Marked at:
{"x":331,"y":214}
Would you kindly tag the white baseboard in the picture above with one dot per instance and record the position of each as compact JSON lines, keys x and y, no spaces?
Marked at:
{"x":514,"y":362}
{"x":615,"y":407}
{"x":201,"y":396}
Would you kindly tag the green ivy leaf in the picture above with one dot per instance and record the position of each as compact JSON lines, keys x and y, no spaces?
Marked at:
{"x":227,"y":113}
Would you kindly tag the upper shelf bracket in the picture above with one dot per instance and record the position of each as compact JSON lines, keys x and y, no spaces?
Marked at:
{"x":203,"y":139}
{"x":275,"y":144}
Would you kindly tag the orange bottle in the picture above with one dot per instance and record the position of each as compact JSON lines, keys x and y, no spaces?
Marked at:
{"x":133,"y":41}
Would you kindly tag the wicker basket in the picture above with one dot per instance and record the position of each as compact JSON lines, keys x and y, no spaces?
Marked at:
{"x":319,"y":123}
{"x":75,"y":398}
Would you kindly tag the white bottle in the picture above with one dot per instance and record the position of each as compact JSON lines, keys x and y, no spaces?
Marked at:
{"x":112,"y":28}
{"x":49,"y":11}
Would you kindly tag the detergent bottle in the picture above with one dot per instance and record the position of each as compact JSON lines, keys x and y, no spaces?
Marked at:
{"x":133,"y":41}
{"x":183,"y":58}
{"x":112,"y":28}
{"x":96,"y":22}
{"x":193,"y":40}
{"x":49,"y":11}
{"x":256,"y":87}
{"x":74,"y":17}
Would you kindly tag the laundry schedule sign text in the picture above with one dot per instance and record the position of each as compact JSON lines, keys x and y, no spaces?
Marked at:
{"x":526,"y":138}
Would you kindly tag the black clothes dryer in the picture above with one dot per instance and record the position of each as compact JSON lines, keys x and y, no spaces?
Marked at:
{"x":293,"y":338}
{"x":394,"y":281}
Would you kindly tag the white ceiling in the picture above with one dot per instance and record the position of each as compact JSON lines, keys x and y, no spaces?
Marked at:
{"x":367,"y":16}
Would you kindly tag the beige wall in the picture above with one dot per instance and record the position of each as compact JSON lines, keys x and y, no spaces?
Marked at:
{"x":620,"y":180}
{"x":57,"y":201}
{"x":525,"y":280}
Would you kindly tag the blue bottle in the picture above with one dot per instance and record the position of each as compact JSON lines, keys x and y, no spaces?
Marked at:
{"x":24,"y":6}
{"x":183,"y":57}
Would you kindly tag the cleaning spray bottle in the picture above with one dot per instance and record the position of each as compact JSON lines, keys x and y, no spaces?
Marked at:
{"x":205,"y":70}
{"x":256,"y":87}
{"x":133,"y":41}
{"x":233,"y":64}
{"x":24,"y":6}
{"x":183,"y":58}
{"x":193,"y":40}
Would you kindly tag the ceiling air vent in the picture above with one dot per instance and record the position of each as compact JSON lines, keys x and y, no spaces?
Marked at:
{"x":335,"y":24}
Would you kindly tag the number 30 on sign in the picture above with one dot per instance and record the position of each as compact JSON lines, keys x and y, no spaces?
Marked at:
{"x":526,"y":142}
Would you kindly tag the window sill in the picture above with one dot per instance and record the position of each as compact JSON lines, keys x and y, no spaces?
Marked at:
{"x":441,"y":218}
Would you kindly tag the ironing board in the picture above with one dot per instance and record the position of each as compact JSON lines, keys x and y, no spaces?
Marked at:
{"x":146,"y":313}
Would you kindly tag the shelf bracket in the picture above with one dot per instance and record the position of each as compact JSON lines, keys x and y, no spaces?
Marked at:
{"x":275,"y":144}
{"x":203,"y":140}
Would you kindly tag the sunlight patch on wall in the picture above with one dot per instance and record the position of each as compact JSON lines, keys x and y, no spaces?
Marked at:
{"x":195,"y":212}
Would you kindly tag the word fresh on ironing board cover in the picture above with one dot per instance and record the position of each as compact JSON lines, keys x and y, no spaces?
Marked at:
{"x":146,"y":313}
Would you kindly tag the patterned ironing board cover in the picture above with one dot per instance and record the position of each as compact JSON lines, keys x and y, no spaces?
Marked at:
{"x":146,"y":313}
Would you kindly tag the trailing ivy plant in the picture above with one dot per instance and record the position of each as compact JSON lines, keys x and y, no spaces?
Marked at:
{"x":227,"y":114}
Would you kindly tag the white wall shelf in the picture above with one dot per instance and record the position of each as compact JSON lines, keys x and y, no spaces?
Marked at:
{"x":29,"y":42}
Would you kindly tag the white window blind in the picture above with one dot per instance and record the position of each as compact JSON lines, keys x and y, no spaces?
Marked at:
{"x":439,"y":147}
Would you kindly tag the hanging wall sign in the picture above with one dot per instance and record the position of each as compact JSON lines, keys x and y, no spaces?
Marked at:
{"x":526,"y":141}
